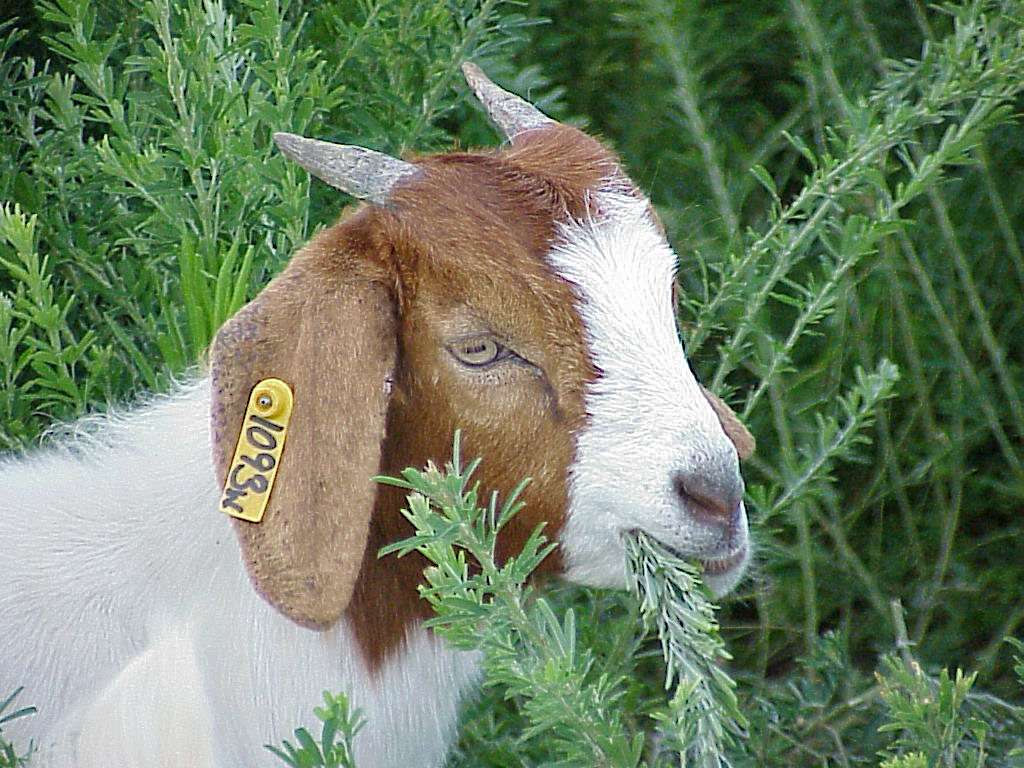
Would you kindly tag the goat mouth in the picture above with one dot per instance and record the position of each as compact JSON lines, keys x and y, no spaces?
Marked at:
{"x":713,"y":566}
{"x":719,"y":565}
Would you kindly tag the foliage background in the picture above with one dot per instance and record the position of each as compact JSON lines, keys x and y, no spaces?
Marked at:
{"x":842,"y":181}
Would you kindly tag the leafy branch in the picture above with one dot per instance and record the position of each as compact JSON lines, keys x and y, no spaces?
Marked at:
{"x":704,"y":714}
{"x":566,"y":691}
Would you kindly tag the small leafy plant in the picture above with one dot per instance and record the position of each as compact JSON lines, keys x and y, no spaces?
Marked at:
{"x":8,"y":757}
{"x":924,"y":714}
{"x":334,"y":748}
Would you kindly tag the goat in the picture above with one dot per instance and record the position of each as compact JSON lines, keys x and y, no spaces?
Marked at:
{"x":523,"y":295}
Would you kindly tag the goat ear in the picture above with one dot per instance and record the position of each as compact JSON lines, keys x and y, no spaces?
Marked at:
{"x":331,"y":335}
{"x":734,"y":429}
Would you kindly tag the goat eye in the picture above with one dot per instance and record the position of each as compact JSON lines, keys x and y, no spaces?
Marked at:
{"x":476,"y":352}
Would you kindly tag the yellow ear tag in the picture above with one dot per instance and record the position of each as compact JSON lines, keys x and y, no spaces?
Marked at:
{"x":258,"y":452}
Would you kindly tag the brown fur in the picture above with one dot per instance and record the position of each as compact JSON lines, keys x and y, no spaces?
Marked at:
{"x":734,"y":428}
{"x":327,"y":315}
{"x":376,"y":299}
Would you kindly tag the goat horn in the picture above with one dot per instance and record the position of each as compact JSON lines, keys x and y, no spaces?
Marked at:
{"x":510,"y":113}
{"x":363,"y":173}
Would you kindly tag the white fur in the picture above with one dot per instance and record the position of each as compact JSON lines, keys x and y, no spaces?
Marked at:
{"x":114,"y":556}
{"x":648,"y":417}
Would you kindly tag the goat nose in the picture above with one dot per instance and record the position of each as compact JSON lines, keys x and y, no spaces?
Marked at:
{"x":712,"y":494}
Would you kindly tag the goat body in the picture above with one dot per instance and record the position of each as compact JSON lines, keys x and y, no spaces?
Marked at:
{"x":129,"y":617}
{"x":522,"y":296}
